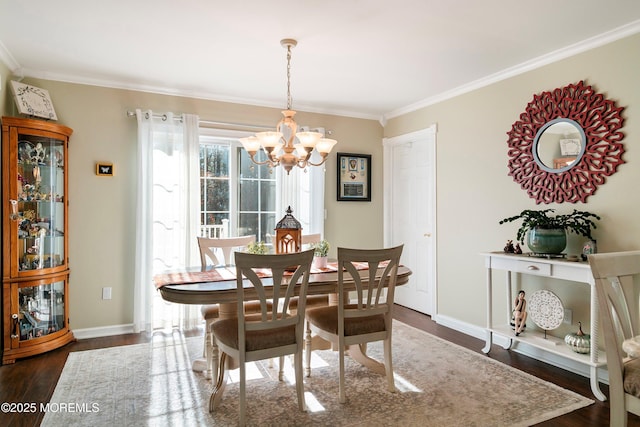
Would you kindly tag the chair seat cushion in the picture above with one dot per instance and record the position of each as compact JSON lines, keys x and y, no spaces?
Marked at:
{"x":632,"y":377}
{"x":212,"y":311}
{"x":226,"y":330}
{"x":326,"y":318}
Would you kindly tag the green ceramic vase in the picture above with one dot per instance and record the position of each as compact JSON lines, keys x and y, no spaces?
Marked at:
{"x":547,"y":240}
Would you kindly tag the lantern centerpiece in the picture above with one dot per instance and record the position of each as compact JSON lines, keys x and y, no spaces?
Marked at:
{"x":288,"y":234}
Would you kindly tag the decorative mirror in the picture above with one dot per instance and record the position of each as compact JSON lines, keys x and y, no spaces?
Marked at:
{"x":565,"y":144}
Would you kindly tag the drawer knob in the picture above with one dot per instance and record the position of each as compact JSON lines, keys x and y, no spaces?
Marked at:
{"x":532,"y":267}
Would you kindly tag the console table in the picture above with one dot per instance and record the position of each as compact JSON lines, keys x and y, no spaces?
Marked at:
{"x":553,"y":268}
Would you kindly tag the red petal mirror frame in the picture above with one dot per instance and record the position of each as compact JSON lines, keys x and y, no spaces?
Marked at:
{"x":601,"y":121}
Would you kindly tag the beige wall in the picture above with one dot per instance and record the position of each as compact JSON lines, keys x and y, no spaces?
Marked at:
{"x":474,"y":191}
{"x":102,"y":210}
{"x":4,"y":89}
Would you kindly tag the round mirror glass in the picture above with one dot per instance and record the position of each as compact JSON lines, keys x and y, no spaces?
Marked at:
{"x":559,"y":145}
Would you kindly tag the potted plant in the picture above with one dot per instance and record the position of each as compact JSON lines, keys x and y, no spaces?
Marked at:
{"x":546,"y":233}
{"x":258,"y":248}
{"x":320,"y":254}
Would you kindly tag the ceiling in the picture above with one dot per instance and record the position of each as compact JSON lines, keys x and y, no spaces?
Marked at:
{"x":360,"y":58}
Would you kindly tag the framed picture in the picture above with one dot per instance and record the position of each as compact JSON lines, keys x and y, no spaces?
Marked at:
{"x":354,"y":177}
{"x":33,"y":101}
{"x":104,"y":169}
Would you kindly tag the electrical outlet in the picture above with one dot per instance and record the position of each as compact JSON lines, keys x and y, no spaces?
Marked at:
{"x":106,"y":293}
{"x":568,"y":316}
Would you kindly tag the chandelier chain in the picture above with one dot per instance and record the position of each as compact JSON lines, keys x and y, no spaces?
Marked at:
{"x":289,"y":77}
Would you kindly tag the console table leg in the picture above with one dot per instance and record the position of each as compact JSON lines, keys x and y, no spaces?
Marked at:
{"x":595,"y":385}
{"x":489,"y":341}
{"x":507,"y":345}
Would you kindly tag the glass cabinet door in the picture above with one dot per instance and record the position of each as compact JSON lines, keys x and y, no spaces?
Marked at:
{"x":40,"y":311}
{"x":35,"y":225}
{"x":39,"y":208}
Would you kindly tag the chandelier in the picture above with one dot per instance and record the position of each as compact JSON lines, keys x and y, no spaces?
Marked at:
{"x":286,"y":146}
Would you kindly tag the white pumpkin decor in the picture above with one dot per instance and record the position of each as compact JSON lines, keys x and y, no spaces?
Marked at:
{"x":579,"y":342}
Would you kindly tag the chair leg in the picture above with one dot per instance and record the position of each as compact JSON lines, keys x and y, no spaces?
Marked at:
{"x":243,"y":402}
{"x":299,"y":381}
{"x":343,"y":397}
{"x":307,"y":345}
{"x":281,"y":368}
{"x":388,"y":365}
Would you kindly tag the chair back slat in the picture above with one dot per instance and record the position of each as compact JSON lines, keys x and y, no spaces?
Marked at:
{"x":369,"y":293}
{"x":220,"y":251}
{"x":617,"y":296}
{"x":276,"y":279}
{"x":617,"y":278}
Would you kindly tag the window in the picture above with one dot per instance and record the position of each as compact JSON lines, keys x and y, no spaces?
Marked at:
{"x":233,"y":188}
{"x":215,"y":182}
{"x":250,"y":196}
{"x":256,"y":198}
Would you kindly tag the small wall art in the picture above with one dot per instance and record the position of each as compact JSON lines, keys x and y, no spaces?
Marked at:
{"x":33,"y":101}
{"x":104,"y":169}
{"x":354,"y":177}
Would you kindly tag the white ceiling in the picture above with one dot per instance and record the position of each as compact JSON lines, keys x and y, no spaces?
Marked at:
{"x":360,"y":58}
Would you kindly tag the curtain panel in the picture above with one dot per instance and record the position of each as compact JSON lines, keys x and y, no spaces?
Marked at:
{"x":167,"y":213}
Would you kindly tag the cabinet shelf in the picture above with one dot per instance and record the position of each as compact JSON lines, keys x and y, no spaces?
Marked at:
{"x":35,"y":271}
{"x":551,"y":344}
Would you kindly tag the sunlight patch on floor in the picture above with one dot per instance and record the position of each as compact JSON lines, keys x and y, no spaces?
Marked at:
{"x":403,"y":385}
{"x":313,"y":405}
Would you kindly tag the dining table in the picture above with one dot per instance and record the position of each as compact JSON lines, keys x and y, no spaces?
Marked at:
{"x":217,"y":285}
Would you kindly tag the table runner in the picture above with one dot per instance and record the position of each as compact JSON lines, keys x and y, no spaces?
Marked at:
{"x":229,"y":273}
{"x":219,"y":274}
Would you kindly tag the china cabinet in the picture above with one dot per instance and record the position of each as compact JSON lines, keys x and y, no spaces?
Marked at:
{"x":35,"y":258}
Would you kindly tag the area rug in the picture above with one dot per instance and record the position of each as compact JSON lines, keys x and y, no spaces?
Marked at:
{"x":439,"y":384}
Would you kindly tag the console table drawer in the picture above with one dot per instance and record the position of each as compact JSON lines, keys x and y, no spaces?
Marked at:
{"x":532,"y":267}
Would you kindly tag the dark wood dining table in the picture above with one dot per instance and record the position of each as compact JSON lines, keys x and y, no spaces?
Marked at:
{"x":218,"y":286}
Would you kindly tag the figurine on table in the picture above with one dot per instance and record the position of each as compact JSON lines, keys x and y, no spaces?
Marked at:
{"x":520,"y":313}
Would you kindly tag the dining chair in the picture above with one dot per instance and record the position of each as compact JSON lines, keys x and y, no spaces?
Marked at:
{"x":218,"y":252}
{"x":312,"y":300}
{"x":369,"y":318}
{"x":274,"y":331}
{"x":614,"y":275}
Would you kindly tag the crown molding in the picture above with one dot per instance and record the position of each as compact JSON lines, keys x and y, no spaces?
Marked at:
{"x":8,"y":59}
{"x":555,"y":56}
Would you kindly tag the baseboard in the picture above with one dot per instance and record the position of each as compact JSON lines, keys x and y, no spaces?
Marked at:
{"x":103,"y":331}
{"x":522,"y":348}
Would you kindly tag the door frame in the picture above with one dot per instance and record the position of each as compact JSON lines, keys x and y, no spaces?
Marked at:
{"x":429,"y":133}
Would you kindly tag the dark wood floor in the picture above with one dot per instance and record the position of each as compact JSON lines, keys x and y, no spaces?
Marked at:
{"x":32,"y":380}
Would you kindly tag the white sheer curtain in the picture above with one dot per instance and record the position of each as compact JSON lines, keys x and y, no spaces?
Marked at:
{"x":304,"y":192}
{"x":167,"y":214}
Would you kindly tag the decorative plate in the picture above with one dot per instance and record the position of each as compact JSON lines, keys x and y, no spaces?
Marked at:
{"x":33,"y":101}
{"x":546,"y":309}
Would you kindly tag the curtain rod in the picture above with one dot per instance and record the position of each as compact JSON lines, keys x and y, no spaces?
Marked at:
{"x":205,"y":122}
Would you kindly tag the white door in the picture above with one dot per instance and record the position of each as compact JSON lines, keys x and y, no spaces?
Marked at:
{"x":410,"y":214}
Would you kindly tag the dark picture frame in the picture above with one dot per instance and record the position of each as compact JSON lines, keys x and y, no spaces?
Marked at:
{"x":104,"y":169}
{"x":354,"y":177}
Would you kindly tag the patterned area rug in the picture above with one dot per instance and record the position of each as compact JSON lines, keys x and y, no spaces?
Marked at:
{"x":439,"y":384}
